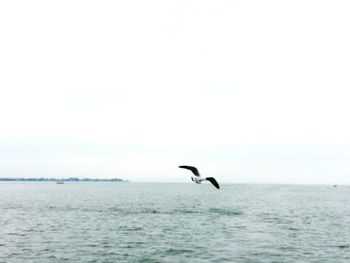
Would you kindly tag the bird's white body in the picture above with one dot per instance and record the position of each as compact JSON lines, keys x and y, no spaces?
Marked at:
{"x":197,"y":179}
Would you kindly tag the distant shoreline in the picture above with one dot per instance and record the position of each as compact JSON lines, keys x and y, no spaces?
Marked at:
{"x":70,"y":179}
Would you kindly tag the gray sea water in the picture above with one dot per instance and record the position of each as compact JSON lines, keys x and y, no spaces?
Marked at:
{"x":144,"y":222}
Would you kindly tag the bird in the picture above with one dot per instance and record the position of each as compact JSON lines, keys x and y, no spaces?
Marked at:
{"x":197,"y":178}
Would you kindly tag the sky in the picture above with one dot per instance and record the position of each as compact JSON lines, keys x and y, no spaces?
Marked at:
{"x":247,"y":91}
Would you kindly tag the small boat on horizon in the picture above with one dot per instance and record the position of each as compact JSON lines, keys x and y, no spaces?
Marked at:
{"x":59,"y":182}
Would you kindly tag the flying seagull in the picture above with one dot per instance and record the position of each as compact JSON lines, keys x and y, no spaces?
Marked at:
{"x":198,"y":178}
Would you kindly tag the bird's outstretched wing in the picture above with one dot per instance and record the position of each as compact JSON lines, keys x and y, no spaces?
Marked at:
{"x":213,"y":181}
{"x":192,"y":168}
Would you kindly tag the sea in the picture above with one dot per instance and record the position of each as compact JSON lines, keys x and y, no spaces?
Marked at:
{"x":173,"y":222}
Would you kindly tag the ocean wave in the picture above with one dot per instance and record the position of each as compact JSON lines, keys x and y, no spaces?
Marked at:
{"x":225,"y":211}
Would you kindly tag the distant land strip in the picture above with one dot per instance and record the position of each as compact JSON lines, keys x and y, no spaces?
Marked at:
{"x":70,"y":179}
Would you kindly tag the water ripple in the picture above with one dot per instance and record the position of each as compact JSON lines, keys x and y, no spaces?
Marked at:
{"x":173,"y":223}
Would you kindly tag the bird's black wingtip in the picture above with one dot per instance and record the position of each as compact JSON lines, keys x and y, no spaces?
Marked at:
{"x":213,"y":181}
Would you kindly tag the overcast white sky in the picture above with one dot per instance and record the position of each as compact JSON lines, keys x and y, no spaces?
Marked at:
{"x":247,"y":91}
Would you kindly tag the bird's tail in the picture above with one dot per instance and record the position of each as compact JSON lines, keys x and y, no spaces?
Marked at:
{"x":213,"y":181}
